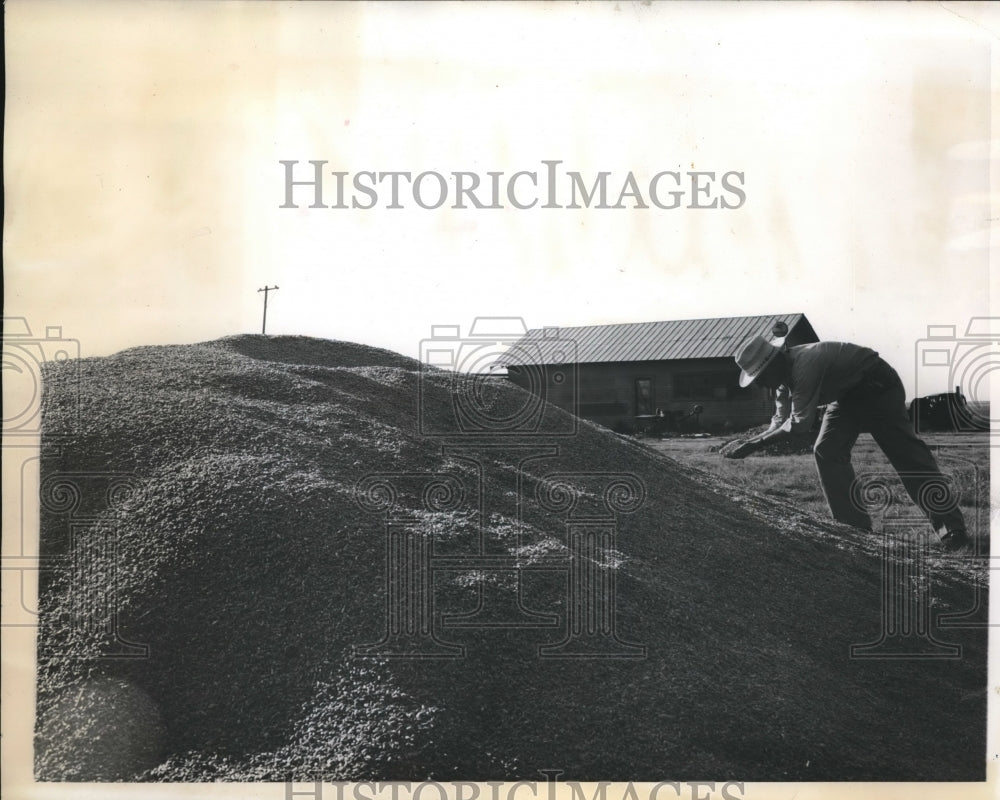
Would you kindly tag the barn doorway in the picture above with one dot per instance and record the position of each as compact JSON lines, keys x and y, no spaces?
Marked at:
{"x":643,"y":396}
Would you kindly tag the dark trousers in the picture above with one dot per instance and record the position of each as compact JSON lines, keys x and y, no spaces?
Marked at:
{"x":878,"y":406}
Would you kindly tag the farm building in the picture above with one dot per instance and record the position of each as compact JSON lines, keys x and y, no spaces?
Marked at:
{"x":677,"y":374}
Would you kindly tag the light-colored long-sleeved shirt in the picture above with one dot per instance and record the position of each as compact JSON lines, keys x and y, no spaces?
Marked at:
{"x":820,"y":373}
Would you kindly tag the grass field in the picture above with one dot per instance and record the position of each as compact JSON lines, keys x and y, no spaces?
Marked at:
{"x":793,"y":479}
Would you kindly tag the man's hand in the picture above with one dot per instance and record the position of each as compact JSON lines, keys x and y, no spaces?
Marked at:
{"x":740,"y":449}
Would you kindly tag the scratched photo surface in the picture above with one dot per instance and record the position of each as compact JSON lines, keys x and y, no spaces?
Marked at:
{"x":371,"y":399}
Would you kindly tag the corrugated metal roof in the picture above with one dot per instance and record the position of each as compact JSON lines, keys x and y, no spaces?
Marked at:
{"x":648,"y":341}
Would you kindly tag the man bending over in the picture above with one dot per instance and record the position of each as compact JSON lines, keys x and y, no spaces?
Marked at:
{"x":861,"y":392}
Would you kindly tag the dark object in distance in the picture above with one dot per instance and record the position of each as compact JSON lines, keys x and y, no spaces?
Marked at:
{"x":949,"y":411}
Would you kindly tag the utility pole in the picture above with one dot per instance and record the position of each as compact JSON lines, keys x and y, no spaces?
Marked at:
{"x":265,"y":290}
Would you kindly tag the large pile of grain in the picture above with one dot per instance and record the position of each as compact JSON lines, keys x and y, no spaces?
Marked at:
{"x":247,"y":566}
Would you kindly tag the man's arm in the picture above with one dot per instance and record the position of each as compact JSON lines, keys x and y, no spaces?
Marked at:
{"x":780,"y":426}
{"x":782,"y":407}
{"x":743,"y":449}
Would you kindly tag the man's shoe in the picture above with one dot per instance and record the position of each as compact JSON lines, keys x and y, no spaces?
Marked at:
{"x":956,"y":540}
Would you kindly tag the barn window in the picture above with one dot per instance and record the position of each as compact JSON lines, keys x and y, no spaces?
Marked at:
{"x":718,"y":385}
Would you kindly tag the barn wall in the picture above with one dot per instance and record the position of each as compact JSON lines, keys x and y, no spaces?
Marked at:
{"x":607,"y":393}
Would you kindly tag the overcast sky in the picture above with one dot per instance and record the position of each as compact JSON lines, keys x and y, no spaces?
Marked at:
{"x":143,"y":181}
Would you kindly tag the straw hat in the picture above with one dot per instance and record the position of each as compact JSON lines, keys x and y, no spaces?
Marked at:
{"x":754,"y":356}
